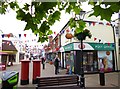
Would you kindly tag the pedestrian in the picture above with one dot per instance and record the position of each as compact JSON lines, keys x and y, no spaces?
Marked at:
{"x":56,"y":64}
{"x":43,"y":62}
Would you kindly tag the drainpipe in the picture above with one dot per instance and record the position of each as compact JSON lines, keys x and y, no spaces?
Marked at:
{"x":113,"y":27}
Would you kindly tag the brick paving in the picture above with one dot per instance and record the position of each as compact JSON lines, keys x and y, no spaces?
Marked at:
{"x":91,"y":80}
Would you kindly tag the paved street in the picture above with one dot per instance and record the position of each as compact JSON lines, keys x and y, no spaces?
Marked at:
{"x":92,"y":80}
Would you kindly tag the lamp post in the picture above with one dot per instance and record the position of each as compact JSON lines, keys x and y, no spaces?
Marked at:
{"x":81,"y":38}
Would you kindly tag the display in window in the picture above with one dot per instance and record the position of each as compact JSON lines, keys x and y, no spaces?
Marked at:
{"x":105,"y":60}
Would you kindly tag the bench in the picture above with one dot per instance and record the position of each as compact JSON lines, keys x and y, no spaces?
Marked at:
{"x":57,"y":81}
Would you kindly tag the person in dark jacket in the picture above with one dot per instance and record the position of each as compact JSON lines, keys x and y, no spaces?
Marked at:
{"x":43,"y":62}
{"x":56,"y":64}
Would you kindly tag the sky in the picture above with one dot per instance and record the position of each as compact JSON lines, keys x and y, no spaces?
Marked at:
{"x":9,"y":23}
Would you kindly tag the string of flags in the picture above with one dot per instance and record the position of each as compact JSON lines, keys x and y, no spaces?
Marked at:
{"x":19,"y":35}
{"x":102,"y":23}
{"x":91,"y":23}
{"x":99,"y":40}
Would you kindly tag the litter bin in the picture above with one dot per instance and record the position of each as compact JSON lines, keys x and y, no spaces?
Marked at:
{"x":102,"y":78}
{"x":9,"y":79}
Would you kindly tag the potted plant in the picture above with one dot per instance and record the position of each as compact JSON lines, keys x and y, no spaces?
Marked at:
{"x":82,"y":35}
{"x":69,"y":35}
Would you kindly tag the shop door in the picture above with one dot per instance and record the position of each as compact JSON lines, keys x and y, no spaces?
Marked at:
{"x":88,"y":61}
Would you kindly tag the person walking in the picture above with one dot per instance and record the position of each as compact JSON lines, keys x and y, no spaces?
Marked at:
{"x":56,"y":64}
{"x":43,"y":62}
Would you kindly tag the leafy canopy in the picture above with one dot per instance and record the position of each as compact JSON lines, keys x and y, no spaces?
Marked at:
{"x":39,"y":16}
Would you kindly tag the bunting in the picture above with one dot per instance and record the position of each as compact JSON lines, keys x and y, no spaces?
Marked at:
{"x":8,"y":35}
{"x":24,"y":35}
{"x":101,"y":23}
{"x":99,"y":40}
{"x":19,"y":35}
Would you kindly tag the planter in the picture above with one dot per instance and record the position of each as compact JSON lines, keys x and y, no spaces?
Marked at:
{"x":69,"y":36}
{"x":80,"y":36}
{"x":83,"y":35}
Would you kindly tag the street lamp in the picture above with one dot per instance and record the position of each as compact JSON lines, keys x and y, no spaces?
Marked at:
{"x":81,"y":38}
{"x":80,"y":16}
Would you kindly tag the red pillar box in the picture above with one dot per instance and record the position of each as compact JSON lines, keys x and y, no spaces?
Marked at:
{"x":36,"y":70}
{"x":24,"y":72}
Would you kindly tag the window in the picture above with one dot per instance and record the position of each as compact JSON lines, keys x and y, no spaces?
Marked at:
{"x":90,"y":64}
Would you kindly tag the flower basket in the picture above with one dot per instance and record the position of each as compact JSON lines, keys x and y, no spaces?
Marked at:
{"x":83,"y":35}
{"x":50,"y":62}
{"x":69,"y":36}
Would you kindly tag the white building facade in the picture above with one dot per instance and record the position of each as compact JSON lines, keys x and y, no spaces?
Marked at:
{"x":102,"y":47}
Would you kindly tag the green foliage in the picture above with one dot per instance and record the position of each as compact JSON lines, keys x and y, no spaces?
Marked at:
{"x":107,"y":11}
{"x":45,"y":14}
{"x":80,"y":27}
{"x":3,"y":7}
{"x":26,"y":7}
{"x":82,"y":35}
{"x":14,"y":5}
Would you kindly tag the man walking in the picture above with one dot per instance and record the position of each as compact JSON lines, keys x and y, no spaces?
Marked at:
{"x":43,"y":62}
{"x":56,"y":64}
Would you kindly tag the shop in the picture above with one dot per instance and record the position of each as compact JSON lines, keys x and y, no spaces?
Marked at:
{"x":96,"y":57}
{"x":10,"y":50}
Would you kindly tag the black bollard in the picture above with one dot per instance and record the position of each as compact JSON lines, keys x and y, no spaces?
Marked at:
{"x":102,"y":78}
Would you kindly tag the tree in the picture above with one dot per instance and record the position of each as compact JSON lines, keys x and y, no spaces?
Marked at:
{"x":39,"y":16}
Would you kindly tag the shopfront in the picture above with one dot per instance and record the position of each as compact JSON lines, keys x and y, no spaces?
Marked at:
{"x":96,"y":57}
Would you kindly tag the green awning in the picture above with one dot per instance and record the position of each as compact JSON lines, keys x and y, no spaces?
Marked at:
{"x":101,"y":46}
{"x":69,"y":47}
{"x":90,"y":46}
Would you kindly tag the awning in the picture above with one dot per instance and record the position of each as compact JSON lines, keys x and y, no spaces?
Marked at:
{"x":89,"y":46}
{"x":8,"y":52}
{"x":3,"y":53}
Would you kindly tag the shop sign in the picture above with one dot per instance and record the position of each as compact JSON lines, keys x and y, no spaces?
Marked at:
{"x":83,"y":46}
{"x":68,"y":47}
{"x":100,"y":46}
{"x":86,"y":46}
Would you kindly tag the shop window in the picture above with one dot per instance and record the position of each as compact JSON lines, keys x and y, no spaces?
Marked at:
{"x":105,"y":60}
{"x":89,"y":62}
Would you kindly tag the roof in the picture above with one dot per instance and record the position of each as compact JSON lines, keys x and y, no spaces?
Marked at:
{"x":8,"y":46}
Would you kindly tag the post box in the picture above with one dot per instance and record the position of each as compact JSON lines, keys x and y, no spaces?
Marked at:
{"x":24,"y":72}
{"x":36,"y":70}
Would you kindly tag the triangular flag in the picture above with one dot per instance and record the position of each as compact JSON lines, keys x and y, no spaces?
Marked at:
{"x":24,"y":35}
{"x":99,"y":40}
{"x":55,"y":33}
{"x":3,"y":35}
{"x":93,"y":23}
{"x":108,"y":44}
{"x":89,"y":23}
{"x":113,"y":45}
{"x":68,"y":30}
{"x":72,"y":30}
{"x":8,"y":35}
{"x":19,"y":35}
{"x":108,"y":24}
{"x":95,"y":39}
